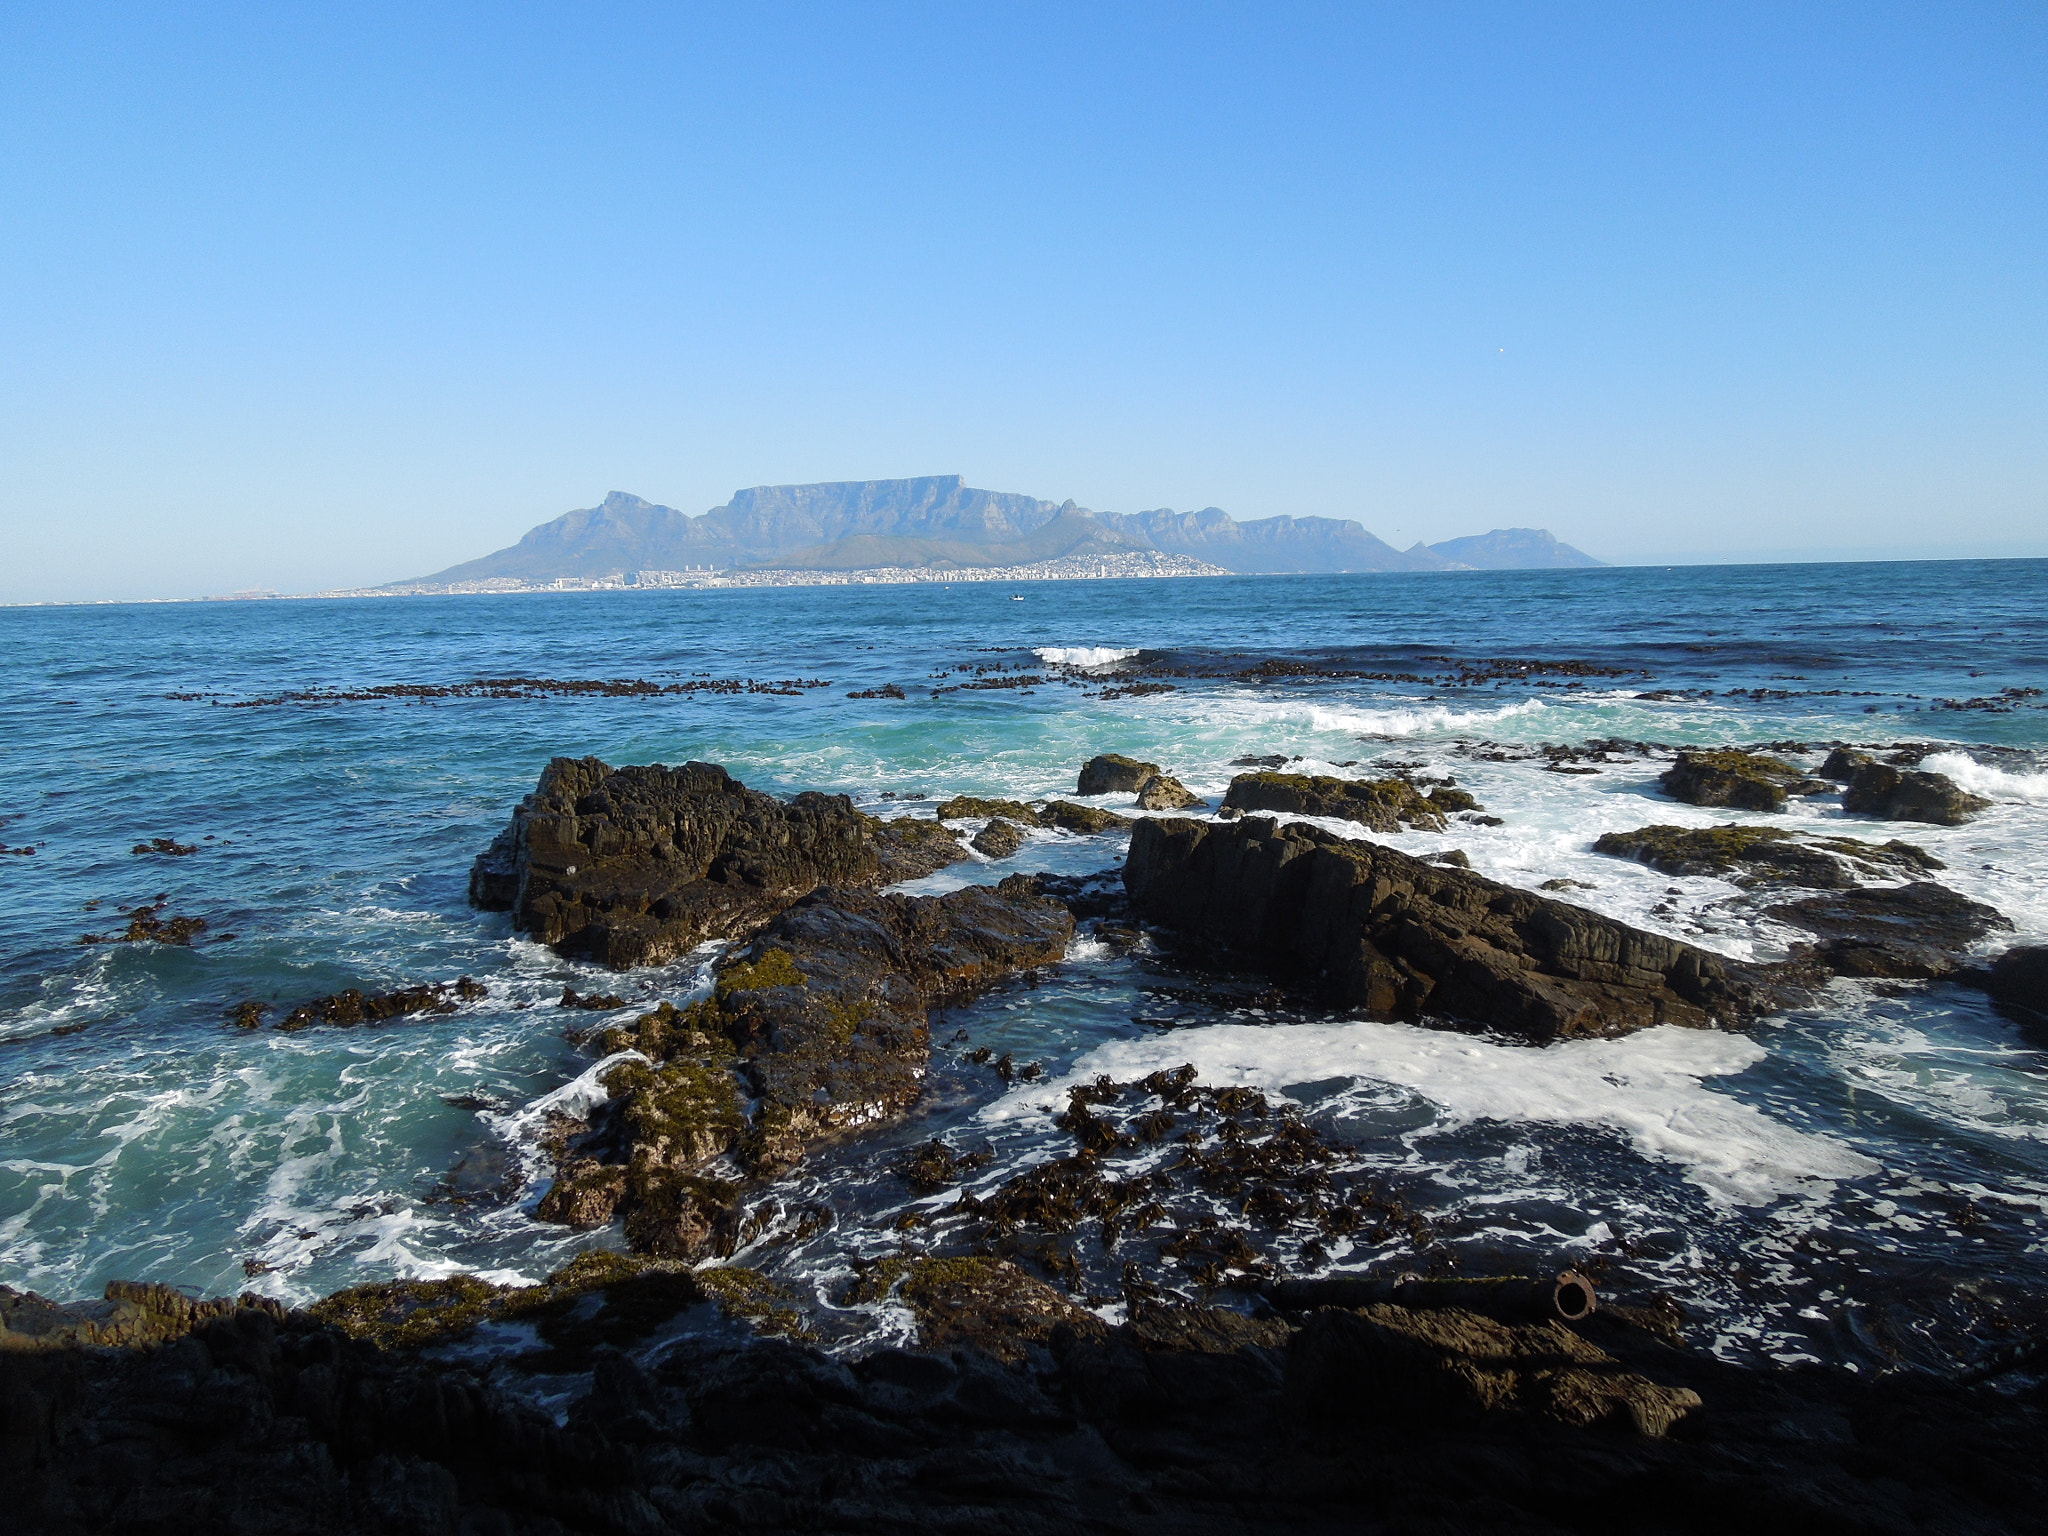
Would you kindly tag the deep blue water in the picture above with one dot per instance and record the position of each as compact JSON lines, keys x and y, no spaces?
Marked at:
{"x":153,"y":1139}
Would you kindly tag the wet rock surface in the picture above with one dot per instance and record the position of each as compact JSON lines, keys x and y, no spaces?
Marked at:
{"x":1767,"y":855}
{"x":1402,"y":938}
{"x":245,"y":1418}
{"x":1909,"y":794}
{"x":817,"y":1026}
{"x":1748,"y":781}
{"x":637,"y":865}
{"x":1918,"y":930}
{"x":2018,"y":979}
{"x":999,"y":839}
{"x":1383,"y":805}
{"x":1111,"y":773}
{"x":353,"y":1006}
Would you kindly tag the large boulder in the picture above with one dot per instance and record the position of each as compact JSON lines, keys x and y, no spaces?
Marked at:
{"x":1747,"y":781}
{"x":816,"y":1026}
{"x":1383,"y":805}
{"x":1906,"y":794}
{"x":999,"y":839}
{"x":1843,"y":763}
{"x":1751,"y":855}
{"x":632,"y":866}
{"x":1111,"y":773}
{"x":1380,"y":930}
{"x":2019,"y":978}
{"x":1163,"y":792}
{"x":1918,"y":930}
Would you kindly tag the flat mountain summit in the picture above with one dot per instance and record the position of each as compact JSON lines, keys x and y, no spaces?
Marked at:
{"x":938,"y":522}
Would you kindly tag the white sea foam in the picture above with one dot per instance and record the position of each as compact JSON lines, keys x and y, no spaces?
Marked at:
{"x":1650,"y":1087}
{"x":1083,"y":655}
{"x":1994,"y":783}
{"x":1391,"y":720}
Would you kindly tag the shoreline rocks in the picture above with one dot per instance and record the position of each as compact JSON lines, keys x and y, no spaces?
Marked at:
{"x":1747,"y":781}
{"x":1111,"y":773}
{"x":1380,"y":805}
{"x":1917,"y":931}
{"x":1379,"y":929}
{"x":1753,"y":856}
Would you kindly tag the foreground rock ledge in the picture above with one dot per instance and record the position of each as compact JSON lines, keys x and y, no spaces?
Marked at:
{"x":1378,"y":929}
{"x":633,"y":866}
{"x":246,"y":1420}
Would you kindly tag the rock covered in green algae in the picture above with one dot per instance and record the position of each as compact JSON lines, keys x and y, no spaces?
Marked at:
{"x":1402,"y":938}
{"x":999,"y":839}
{"x":1766,"y":855}
{"x":1747,"y":781}
{"x":816,"y":1027}
{"x":1382,"y":805}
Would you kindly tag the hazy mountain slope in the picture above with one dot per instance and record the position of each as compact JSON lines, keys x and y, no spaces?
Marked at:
{"x":1513,"y":549}
{"x":1270,"y":543}
{"x":623,"y":533}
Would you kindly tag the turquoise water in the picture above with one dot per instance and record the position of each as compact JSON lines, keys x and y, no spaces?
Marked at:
{"x":1868,"y":1176}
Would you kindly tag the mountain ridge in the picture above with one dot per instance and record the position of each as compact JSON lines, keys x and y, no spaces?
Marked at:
{"x":940,"y":522}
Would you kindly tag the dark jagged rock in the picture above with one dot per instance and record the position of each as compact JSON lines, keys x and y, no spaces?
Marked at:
{"x":1111,"y":773}
{"x":1920,"y":930}
{"x":1383,"y":805}
{"x":1896,"y":794}
{"x":591,"y":1002}
{"x":642,"y":864}
{"x":816,"y":1027}
{"x":1378,"y":929}
{"x":1085,"y":819}
{"x":1747,"y":781}
{"x":2019,"y":978}
{"x":352,"y":1006}
{"x":148,"y":925}
{"x":999,"y":839}
{"x":983,"y":1302}
{"x":1163,"y":792}
{"x":1843,"y":763}
{"x":166,"y":845}
{"x":1766,"y":855}
{"x":245,"y":1419}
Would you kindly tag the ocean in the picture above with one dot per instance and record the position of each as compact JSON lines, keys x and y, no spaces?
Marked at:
{"x":1861,"y":1182}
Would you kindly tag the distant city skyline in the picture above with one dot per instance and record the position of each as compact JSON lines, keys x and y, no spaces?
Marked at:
{"x":300,"y":300}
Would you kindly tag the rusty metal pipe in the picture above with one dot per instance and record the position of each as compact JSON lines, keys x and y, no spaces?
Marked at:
{"x":1568,"y":1297}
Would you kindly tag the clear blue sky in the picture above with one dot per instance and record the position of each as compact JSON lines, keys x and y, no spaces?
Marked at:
{"x":295,"y":296}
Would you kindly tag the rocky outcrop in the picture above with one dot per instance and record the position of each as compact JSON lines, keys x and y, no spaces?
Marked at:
{"x":1918,"y":930}
{"x":1753,"y":856}
{"x":1746,"y":781}
{"x":1111,"y":773}
{"x":1377,"y":929}
{"x":999,"y":839}
{"x":1907,"y":794}
{"x":1163,"y":792}
{"x":1843,"y":763}
{"x":1383,"y":805}
{"x":817,"y":1026}
{"x":638,"y":865}
{"x":353,"y":1006}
